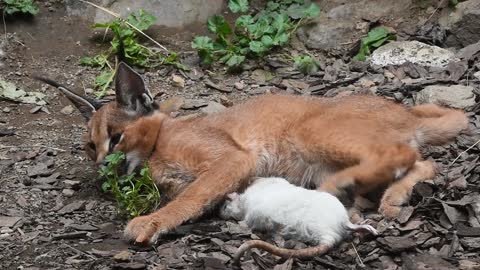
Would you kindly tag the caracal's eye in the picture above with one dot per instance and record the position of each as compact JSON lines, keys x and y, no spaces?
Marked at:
{"x":114,"y":140}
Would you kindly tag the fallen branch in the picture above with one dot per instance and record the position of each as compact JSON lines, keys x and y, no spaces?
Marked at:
{"x":470,"y":147}
{"x":32,"y":146}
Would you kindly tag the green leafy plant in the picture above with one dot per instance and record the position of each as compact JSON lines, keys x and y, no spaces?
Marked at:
{"x":306,"y":64}
{"x":453,"y":3}
{"x":374,"y":39}
{"x":135,"y":53}
{"x":20,"y":6}
{"x":135,"y":194}
{"x":252,"y":35}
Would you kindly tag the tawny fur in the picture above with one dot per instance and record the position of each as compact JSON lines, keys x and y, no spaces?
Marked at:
{"x":356,"y":143}
{"x":275,"y":205}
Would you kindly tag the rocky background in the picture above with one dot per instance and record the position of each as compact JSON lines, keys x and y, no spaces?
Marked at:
{"x":53,"y":214}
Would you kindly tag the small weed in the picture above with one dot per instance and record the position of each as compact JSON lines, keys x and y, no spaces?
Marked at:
{"x":135,"y":53}
{"x":306,"y":64}
{"x":375,"y":38}
{"x":27,"y":7}
{"x":252,"y":36}
{"x":135,"y":195}
{"x":453,"y":3}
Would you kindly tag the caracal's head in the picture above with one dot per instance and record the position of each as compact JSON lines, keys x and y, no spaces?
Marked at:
{"x":106,"y":122}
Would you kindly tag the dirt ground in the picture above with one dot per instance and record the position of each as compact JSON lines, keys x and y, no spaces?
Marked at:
{"x":62,"y":220}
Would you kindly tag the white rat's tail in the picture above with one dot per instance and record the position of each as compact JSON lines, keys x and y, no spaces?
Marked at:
{"x":282,"y":252}
{"x":361,"y":227}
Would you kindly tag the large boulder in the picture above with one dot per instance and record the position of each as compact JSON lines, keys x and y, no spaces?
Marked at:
{"x":169,"y":13}
{"x":463,"y":24}
{"x":342,"y":23}
{"x":398,"y":52}
{"x":328,"y":35}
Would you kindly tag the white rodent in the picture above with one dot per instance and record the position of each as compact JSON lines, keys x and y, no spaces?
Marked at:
{"x":274,"y":205}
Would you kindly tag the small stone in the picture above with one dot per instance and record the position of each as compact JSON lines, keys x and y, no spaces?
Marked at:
{"x":89,"y":91}
{"x":178,"y":81}
{"x":72,"y":184}
{"x":67,"y":110}
{"x":40,"y":169}
{"x":190,"y":104}
{"x":130,"y":266}
{"x":213,"y":107}
{"x":460,"y":183}
{"x":73,"y":235}
{"x":477,"y":75}
{"x":90,"y":205}
{"x":7,"y":110}
{"x":68,"y":192}
{"x":7,"y":230}
{"x":123,"y":256}
{"x":69,"y":208}
{"x":22,"y":201}
{"x":261,"y":76}
{"x":83,"y":227}
{"x":424,"y":262}
{"x":36,"y":109}
{"x":239,"y":85}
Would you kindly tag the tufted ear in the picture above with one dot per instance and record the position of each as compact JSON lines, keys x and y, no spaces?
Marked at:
{"x":85,"y":105}
{"x":131,"y":93}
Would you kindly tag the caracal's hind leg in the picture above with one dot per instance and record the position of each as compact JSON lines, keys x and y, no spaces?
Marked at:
{"x":378,"y":165}
{"x":400,"y":191}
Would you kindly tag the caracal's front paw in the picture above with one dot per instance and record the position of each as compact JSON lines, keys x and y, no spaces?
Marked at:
{"x":143,"y":230}
{"x":390,"y":212}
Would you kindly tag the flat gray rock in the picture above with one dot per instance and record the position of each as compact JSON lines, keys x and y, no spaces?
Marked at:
{"x":455,"y":96}
{"x":398,"y":52}
{"x":6,"y":221}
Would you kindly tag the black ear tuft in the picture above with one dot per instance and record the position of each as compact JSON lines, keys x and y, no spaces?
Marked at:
{"x":85,"y":105}
{"x":131,"y":93}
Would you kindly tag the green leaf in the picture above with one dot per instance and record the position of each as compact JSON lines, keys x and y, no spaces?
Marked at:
{"x":202,"y":42}
{"x":244,"y":20}
{"x":235,"y":60}
{"x":379,"y":42}
{"x":281,"y":39}
{"x":272,"y":6}
{"x":260,"y":28}
{"x":267,"y":41}
{"x":106,"y":186}
{"x":22,"y":6}
{"x":257,"y":47}
{"x":375,"y":38}
{"x":103,"y":81}
{"x":206,"y":57}
{"x":375,"y":34}
{"x":218,"y":25}
{"x":115,"y":158}
{"x":238,"y":5}
{"x":281,"y":22}
{"x":143,"y":20}
{"x":312,"y":11}
{"x":97,"y":61}
{"x":296,"y":11}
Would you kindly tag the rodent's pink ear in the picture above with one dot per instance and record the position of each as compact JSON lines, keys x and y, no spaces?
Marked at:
{"x":233,"y":196}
